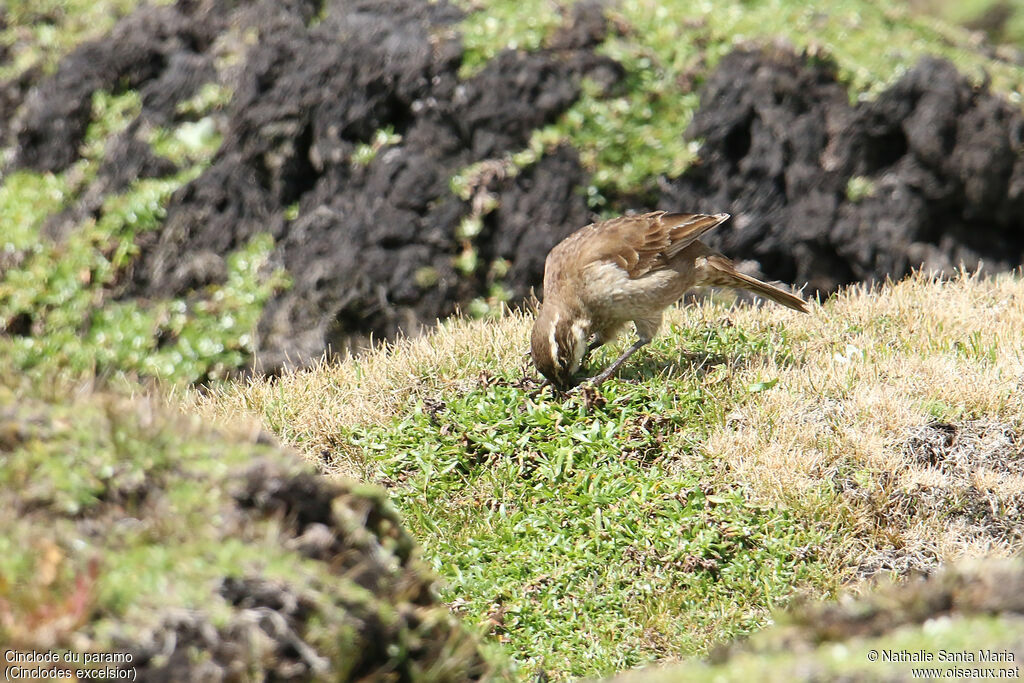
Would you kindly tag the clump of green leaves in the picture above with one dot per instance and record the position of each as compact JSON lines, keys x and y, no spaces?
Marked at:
{"x":367,"y":152}
{"x":570,"y":525}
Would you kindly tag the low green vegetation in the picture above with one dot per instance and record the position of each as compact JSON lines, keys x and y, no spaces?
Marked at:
{"x":746,"y":455}
{"x":27,"y":199}
{"x":59,"y":300}
{"x":588,"y":532}
{"x":62,"y":297}
{"x":175,"y":340}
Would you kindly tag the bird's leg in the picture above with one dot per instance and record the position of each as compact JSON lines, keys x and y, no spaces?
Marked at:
{"x":611,"y":369}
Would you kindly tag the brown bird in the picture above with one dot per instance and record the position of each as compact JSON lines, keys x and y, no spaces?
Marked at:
{"x":627,"y":269}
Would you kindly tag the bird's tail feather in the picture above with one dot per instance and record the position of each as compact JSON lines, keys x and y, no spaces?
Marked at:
{"x":720,"y":272}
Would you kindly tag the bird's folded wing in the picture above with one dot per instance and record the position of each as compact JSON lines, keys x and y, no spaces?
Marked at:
{"x":642,"y":243}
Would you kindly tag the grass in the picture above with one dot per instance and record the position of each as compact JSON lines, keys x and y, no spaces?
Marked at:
{"x":566,"y":528}
{"x":75,"y":459}
{"x":748,"y":454}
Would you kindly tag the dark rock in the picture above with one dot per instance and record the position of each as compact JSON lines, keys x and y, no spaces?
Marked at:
{"x":372,"y":251}
{"x":12,"y":95}
{"x":585,"y":27}
{"x":136,"y":54}
{"x":128,"y":159}
{"x":538,"y":209}
{"x":940,"y":158}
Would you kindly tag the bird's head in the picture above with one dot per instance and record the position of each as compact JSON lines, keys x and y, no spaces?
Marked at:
{"x":559,"y":342}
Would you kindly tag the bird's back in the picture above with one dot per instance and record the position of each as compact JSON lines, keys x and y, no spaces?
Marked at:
{"x":636,"y":246}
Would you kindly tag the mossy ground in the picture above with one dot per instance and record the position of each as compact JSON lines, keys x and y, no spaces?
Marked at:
{"x":127,"y":524}
{"x":668,"y":48}
{"x":61,"y":300}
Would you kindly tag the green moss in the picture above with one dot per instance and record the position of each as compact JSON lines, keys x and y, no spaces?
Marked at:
{"x":957,"y":623}
{"x":495,"y":25}
{"x":211,"y":97}
{"x":850,"y":660}
{"x":426,"y":277}
{"x":1002,"y":20}
{"x":467,"y":261}
{"x":859,"y":188}
{"x":111,"y":114}
{"x":67,"y":291}
{"x":27,"y":198}
{"x":190,"y":142}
